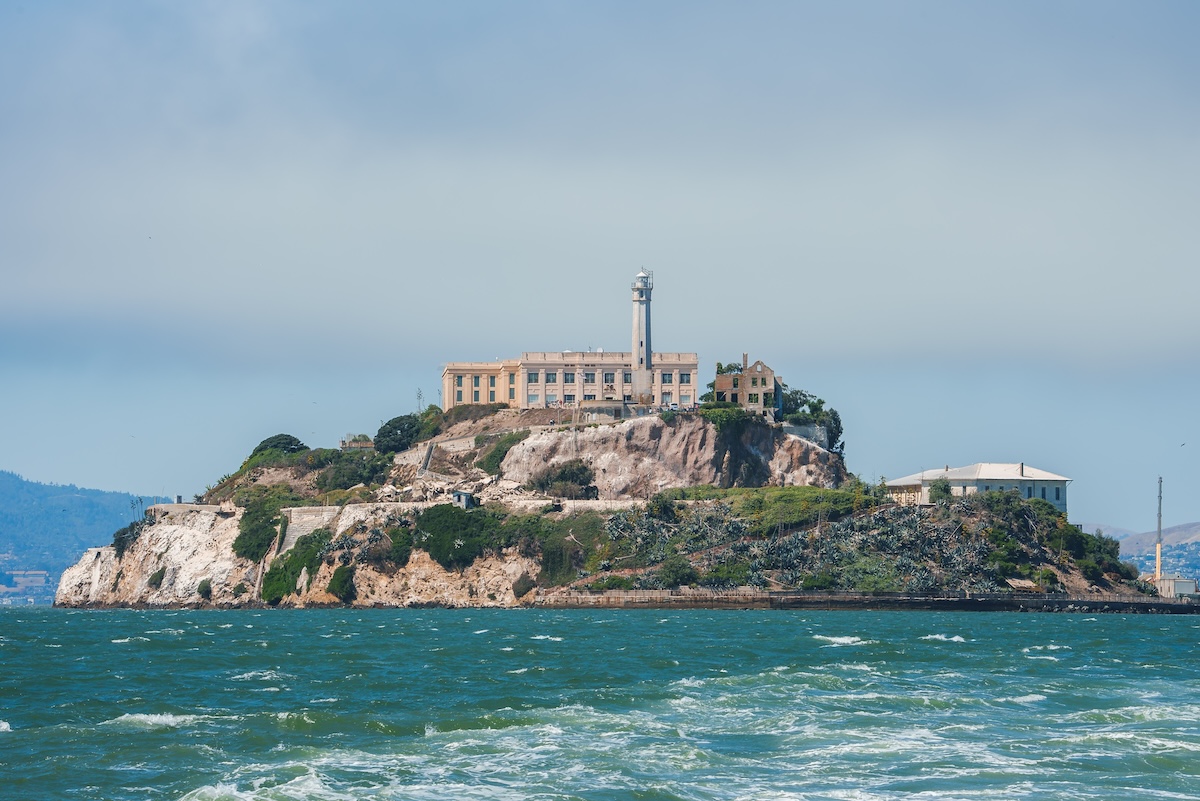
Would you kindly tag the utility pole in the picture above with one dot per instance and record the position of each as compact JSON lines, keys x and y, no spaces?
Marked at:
{"x":1158,"y":542}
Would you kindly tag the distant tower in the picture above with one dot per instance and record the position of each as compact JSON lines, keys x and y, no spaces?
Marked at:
{"x":643,"y":353}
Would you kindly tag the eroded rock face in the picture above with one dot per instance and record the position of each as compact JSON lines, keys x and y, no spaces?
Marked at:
{"x":643,"y":456}
{"x":191,"y":545}
{"x":188,"y":546}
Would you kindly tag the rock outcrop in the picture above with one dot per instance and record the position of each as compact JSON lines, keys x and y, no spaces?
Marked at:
{"x":640,"y":457}
{"x":191,"y":544}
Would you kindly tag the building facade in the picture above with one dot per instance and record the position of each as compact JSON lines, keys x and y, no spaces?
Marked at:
{"x":1030,"y":482}
{"x":550,"y":379}
{"x":756,"y":388}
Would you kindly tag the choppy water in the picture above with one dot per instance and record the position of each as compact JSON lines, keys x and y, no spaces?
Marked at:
{"x":439,"y":704}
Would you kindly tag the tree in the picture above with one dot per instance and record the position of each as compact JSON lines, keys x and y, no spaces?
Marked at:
{"x":398,"y":434}
{"x":284,"y":443}
{"x":939,"y":491}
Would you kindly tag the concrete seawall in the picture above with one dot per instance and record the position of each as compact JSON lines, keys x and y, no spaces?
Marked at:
{"x":746,"y":599}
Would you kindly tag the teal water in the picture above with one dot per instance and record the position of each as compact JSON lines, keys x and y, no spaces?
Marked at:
{"x":521,"y":704}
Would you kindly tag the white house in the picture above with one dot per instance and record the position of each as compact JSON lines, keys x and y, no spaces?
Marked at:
{"x":1030,"y":482}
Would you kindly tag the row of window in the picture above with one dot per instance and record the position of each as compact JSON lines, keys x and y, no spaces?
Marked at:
{"x":551,"y":377}
{"x":1029,"y":492}
{"x":755,"y":381}
{"x":535,"y":399}
{"x":458,"y":380}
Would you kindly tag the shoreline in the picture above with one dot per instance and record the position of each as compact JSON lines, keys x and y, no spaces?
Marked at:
{"x":741,"y":599}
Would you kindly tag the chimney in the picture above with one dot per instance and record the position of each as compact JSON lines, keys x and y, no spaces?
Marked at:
{"x":1022,"y":469}
{"x":745,"y":362}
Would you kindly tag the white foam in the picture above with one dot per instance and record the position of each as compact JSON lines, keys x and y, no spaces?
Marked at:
{"x":839,"y":642}
{"x":1025,"y":699}
{"x":152,"y":721}
{"x":507,"y":648}
{"x":482,"y":631}
{"x":4,"y":726}
{"x":944,"y":638}
{"x":1045,"y":648}
{"x":546,"y":637}
{"x":258,"y":675}
{"x":131,"y":639}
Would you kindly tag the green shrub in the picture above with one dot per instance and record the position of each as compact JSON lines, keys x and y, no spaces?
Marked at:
{"x":455,"y":538}
{"x":259,"y":526}
{"x":668,"y":416}
{"x":401,"y":546}
{"x":611,"y":583}
{"x":571,"y":479}
{"x":821,"y":580}
{"x":939,"y":491}
{"x":729,"y":419}
{"x":1090,"y":570}
{"x":398,"y":434}
{"x":156,"y":578}
{"x":126,"y":536}
{"x":281,"y":579}
{"x":239,"y":590}
{"x":284,"y":443}
{"x":204,"y":590}
{"x":522,"y":586}
{"x":341,"y":585}
{"x":728,"y":574}
{"x":491,"y":460}
{"x":350,"y":468}
{"x":676,"y":570}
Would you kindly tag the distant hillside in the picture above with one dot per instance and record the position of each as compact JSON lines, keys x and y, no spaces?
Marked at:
{"x":47,"y":526}
{"x":1175,"y":535}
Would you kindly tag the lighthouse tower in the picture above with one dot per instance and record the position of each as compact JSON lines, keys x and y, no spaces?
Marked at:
{"x":642,"y":355}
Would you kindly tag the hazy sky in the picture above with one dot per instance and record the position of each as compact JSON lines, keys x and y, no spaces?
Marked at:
{"x":971,"y":228}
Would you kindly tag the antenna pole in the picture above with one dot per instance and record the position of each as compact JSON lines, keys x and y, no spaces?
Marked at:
{"x":1158,"y":542}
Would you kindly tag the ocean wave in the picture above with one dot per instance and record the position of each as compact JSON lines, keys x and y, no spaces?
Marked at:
{"x":130,"y":639}
{"x":482,"y":631}
{"x":546,"y":637}
{"x":4,"y":726}
{"x":260,"y":675}
{"x":140,"y":720}
{"x":944,"y":638}
{"x":1029,"y":648}
{"x":839,"y":642}
{"x":1023,"y":699}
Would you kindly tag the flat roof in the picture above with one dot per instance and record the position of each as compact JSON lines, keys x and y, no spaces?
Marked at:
{"x":980,"y":471}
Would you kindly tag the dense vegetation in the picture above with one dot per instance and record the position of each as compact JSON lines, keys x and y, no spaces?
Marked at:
{"x":341,"y":584}
{"x":571,"y":479}
{"x":491,"y":459}
{"x":261,"y":521}
{"x":306,"y":554}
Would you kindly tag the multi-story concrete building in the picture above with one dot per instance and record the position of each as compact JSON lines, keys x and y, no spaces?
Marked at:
{"x":546,"y":379}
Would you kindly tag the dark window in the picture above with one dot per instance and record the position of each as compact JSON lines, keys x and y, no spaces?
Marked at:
{"x":474,"y":380}
{"x":512,"y":394}
{"x":667,"y":378}
{"x":685,"y":378}
{"x":491,"y":380}
{"x":458,"y":396}
{"x":610,"y":378}
{"x":568,"y":398}
{"x":1043,"y":493}
{"x":589,"y":397}
{"x":551,"y":377}
{"x":533,"y":377}
{"x":512,"y":379}
{"x":1028,"y":492}
{"x":627,"y":377}
{"x":475,"y":395}
{"x":589,"y":378}
{"x":1058,"y":493}
{"x":733,"y":397}
{"x":491,"y":396}
{"x":568,"y":378}
{"x":458,"y":380}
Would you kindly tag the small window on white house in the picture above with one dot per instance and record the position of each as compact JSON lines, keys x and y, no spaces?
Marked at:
{"x":1043,"y":493}
{"x":1028,"y":492}
{"x":1058,"y":493}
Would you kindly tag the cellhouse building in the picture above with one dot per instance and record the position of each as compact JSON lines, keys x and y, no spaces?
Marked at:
{"x":607,"y":383}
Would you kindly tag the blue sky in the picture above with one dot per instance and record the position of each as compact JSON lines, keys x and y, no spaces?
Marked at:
{"x":969,"y":227}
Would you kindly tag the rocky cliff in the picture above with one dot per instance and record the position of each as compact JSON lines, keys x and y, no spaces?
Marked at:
{"x":643,"y":456}
{"x":187,"y":545}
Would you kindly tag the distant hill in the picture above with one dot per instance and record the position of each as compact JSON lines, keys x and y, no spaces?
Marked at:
{"x":1106,"y":530}
{"x":47,"y":526}
{"x":1175,"y":535}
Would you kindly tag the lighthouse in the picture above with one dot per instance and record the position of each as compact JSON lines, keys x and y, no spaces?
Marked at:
{"x":642,"y":353}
